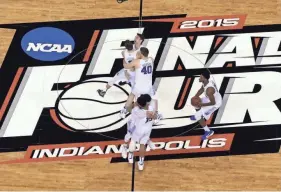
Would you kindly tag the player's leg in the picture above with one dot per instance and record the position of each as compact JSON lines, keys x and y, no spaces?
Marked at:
{"x":151,"y":144}
{"x":207,"y":130}
{"x":131,"y":78}
{"x":117,"y":77}
{"x":127,"y":75}
{"x":129,"y":103}
{"x":132,"y":148}
{"x":128,"y":106}
{"x":143,"y":141}
{"x":128,"y":136}
{"x":154,"y":103}
{"x":203,"y":114}
{"x":141,"y":157}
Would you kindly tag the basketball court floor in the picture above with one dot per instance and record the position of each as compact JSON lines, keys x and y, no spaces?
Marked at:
{"x":251,"y":171}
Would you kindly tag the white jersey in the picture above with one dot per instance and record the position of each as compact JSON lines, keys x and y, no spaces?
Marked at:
{"x":130,"y":56}
{"x":143,"y":76}
{"x":142,"y":124}
{"x":134,"y":47}
{"x":217,"y":95}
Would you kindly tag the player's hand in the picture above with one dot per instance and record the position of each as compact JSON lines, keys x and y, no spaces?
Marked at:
{"x":150,"y":114}
{"x":199,"y":105}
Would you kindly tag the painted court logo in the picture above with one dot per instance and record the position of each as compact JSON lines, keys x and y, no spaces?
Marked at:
{"x":47,"y":44}
{"x":67,"y":119}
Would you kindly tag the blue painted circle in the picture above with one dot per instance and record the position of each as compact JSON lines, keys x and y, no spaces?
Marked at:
{"x":47,"y":44}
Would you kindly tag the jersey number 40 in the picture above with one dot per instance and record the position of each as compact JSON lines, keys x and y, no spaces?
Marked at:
{"x":147,"y":69}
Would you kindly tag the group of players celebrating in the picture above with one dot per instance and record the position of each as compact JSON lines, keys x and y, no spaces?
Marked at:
{"x":142,"y":103}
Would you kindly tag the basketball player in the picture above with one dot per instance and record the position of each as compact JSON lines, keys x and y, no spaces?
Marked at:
{"x":143,"y":77}
{"x":131,"y":125}
{"x":142,"y":117}
{"x":139,"y":38}
{"x":129,"y":54}
{"x":208,"y":105}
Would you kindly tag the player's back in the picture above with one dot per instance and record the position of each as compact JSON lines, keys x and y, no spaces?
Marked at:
{"x":129,"y":56}
{"x":143,"y":77}
{"x":141,"y":122}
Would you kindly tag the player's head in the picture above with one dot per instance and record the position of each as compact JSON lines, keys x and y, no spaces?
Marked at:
{"x":144,"y":100}
{"x":128,"y":45}
{"x":144,"y":52}
{"x":147,"y":98}
{"x":141,"y":102}
{"x":139,"y":38}
{"x":205,"y":76}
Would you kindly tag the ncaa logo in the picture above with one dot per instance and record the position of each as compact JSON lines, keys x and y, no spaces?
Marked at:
{"x":47,"y":44}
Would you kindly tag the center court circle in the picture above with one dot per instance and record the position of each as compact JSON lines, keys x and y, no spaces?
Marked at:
{"x":101,"y":115}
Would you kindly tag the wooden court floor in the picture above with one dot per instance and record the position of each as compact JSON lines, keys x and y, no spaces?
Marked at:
{"x":249,"y":172}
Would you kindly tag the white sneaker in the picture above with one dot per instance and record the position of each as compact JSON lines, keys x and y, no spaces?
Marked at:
{"x":159,"y":118}
{"x":140,"y":166}
{"x":124,"y":151}
{"x":131,"y":158}
{"x":151,"y":144}
{"x":123,"y":113}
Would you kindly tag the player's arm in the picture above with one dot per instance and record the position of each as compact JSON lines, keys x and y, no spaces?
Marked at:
{"x":151,"y":115}
{"x":210,"y":93}
{"x":130,"y":108}
{"x":130,"y":65}
{"x":200,"y":91}
{"x":145,"y":114}
{"x":156,"y":105}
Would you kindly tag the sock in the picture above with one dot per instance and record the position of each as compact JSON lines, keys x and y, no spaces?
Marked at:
{"x":206,"y":128}
{"x":131,"y":154}
{"x":141,"y":160}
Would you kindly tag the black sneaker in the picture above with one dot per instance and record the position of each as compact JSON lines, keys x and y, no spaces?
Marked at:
{"x":101,"y":92}
{"x":121,"y":83}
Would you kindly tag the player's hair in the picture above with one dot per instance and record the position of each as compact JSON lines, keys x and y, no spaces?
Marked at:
{"x":206,"y":74}
{"x":144,"y":51}
{"x":141,"y":36}
{"x":141,"y":101}
{"x":128,"y":45}
{"x":147,"y":97}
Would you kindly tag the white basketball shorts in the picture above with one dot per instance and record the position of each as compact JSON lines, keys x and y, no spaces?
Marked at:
{"x":207,"y":111}
{"x":120,"y":75}
{"x":130,"y":129}
{"x":141,"y":137}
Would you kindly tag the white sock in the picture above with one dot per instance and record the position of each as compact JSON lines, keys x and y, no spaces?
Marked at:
{"x":131,"y":154}
{"x":141,"y":160}
{"x":206,"y":128}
